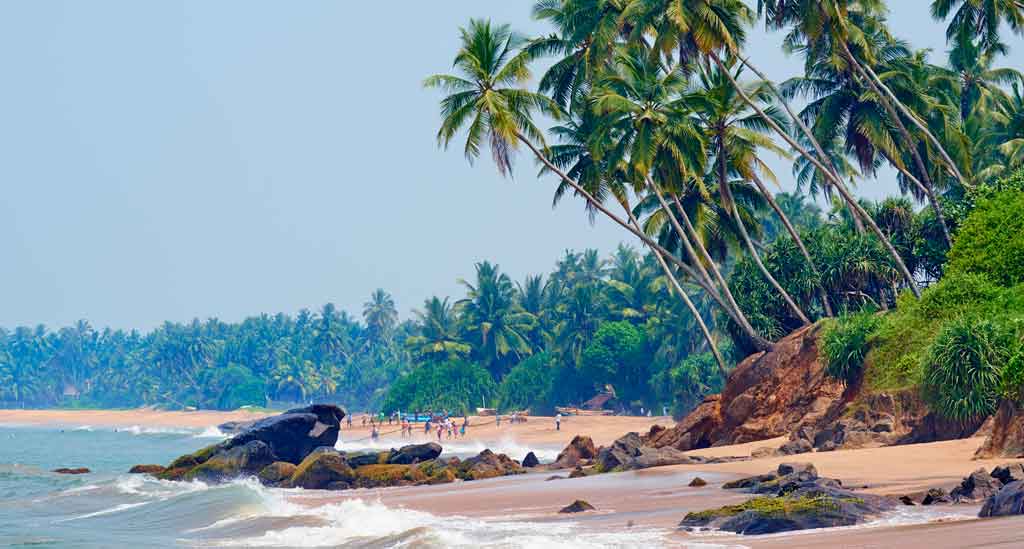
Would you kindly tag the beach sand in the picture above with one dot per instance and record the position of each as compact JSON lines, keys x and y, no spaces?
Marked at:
{"x":651,"y":499}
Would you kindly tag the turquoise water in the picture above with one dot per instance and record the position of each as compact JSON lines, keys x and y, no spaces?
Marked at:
{"x":110,"y":508}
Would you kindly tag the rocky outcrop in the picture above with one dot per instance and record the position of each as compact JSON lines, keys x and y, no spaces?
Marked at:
{"x":580,"y":450}
{"x":146,"y":469}
{"x":487,"y":464}
{"x":629,"y":453}
{"x":530,"y":461}
{"x":766,"y":396}
{"x":1007,"y":436}
{"x":289,"y":437}
{"x":880,"y":419}
{"x":577,"y":506}
{"x":795,"y":499}
{"x":72,"y":471}
{"x":1009,"y":500}
{"x":976,"y":487}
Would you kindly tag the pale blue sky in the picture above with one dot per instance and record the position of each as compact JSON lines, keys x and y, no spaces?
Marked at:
{"x":171,"y":160}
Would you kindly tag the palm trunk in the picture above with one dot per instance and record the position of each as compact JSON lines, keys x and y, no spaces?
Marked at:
{"x":686,"y":299}
{"x":843,"y":191}
{"x":857,"y":223}
{"x":908,"y":142}
{"x":822,"y":294}
{"x":758,"y":341}
{"x":730,"y":204}
{"x":741,"y":319}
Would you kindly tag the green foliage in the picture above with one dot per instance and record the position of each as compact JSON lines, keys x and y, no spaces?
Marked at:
{"x":456,"y":386}
{"x":991,"y":240}
{"x":903,"y":336}
{"x":617,"y":355}
{"x":844,"y":344}
{"x":529,"y":385}
{"x":686,"y":384}
{"x":964,"y":367}
{"x":1012,"y":384}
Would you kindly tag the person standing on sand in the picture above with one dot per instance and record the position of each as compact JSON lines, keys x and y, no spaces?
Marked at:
{"x":440,"y":429}
{"x":349,"y":418}
{"x":558,"y":422}
{"x":498,"y":419}
{"x":462,"y":430}
{"x":426,"y":428}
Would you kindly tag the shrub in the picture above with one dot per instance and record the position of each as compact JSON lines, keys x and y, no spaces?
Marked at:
{"x":991,"y":240}
{"x":1012,"y":386}
{"x":617,"y":355}
{"x":896,"y":356}
{"x":528,"y":385}
{"x":963,"y":367}
{"x":455,"y":386}
{"x":685,"y":385}
{"x":844,"y":344}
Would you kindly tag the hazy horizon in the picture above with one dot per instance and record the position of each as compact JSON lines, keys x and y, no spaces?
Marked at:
{"x":189,"y":160}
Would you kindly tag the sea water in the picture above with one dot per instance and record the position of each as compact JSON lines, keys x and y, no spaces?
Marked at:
{"x":110,"y":508}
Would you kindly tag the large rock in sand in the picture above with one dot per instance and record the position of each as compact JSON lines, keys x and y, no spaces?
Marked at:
{"x":247,"y":459}
{"x":580,"y":449}
{"x":295,"y":433}
{"x":487,"y":464}
{"x":1009,"y":500}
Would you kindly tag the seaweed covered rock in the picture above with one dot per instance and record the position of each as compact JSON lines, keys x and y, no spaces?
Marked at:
{"x":362,"y":458}
{"x":247,"y":459}
{"x":379,"y":476}
{"x":72,"y":471}
{"x":324,"y":468}
{"x":580,"y":449}
{"x":794,"y":498}
{"x":487,"y":464}
{"x":415,"y":453}
{"x":277,"y":473}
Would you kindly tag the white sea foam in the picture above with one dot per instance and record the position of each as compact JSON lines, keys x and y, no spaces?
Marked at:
{"x":210,"y":432}
{"x":83,"y":428}
{"x":114,"y":509}
{"x":140,"y":430}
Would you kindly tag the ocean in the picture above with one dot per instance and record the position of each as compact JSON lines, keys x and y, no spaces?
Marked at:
{"x":110,"y":508}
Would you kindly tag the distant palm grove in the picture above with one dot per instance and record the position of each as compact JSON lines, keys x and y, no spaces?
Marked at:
{"x":661,"y":121}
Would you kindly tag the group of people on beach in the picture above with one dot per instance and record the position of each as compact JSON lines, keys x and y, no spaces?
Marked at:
{"x":446,"y":425}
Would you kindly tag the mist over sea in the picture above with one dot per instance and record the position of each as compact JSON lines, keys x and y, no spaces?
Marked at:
{"x":110,"y":508}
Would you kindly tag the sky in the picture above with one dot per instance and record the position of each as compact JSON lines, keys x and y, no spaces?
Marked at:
{"x":194,"y":159}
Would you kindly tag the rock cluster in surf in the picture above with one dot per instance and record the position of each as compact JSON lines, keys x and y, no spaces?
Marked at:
{"x":296,"y":449}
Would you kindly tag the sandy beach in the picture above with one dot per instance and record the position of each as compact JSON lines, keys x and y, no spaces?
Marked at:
{"x":652,"y":499}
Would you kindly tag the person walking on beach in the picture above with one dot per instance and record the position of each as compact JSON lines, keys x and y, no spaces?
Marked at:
{"x":349,"y":418}
{"x":499,"y":420}
{"x":440,"y":429}
{"x":426,"y":428}
{"x":462,"y":430}
{"x":558,"y":422}
{"x":374,"y":434}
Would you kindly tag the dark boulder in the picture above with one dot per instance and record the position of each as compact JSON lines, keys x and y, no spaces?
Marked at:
{"x":530,"y":461}
{"x":577,"y":506}
{"x":234,"y":427}
{"x":978,"y":486}
{"x":322,"y":468}
{"x":1008,"y":473}
{"x":580,"y":449}
{"x":808,"y":469}
{"x":629,"y":453}
{"x":697,"y":482}
{"x":72,"y":471}
{"x":1009,"y":500}
{"x":578,"y":472}
{"x":146,"y":470}
{"x":277,"y":473}
{"x":750,"y":482}
{"x":295,"y":433}
{"x":415,"y":453}
{"x":907,"y":500}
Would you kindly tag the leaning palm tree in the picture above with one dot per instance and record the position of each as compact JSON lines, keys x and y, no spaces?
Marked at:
{"x":488,"y":101}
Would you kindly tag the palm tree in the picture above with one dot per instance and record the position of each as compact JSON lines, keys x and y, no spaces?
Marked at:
{"x":492,"y":321}
{"x":980,"y":18}
{"x":380,"y":315}
{"x":487,"y":101}
{"x":971,"y":72}
{"x":737,"y":135}
{"x":438,"y":339}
